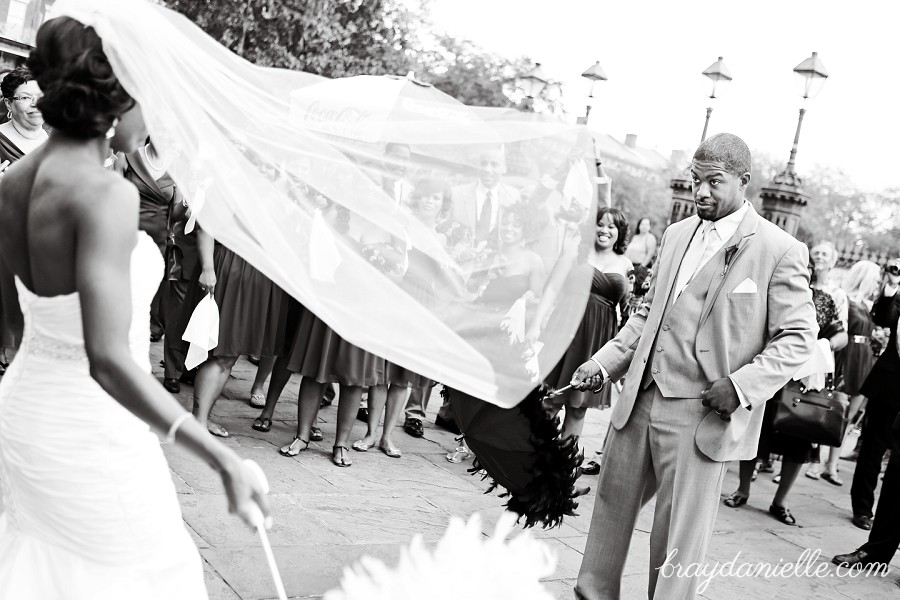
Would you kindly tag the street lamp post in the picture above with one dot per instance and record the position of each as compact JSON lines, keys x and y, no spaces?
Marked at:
{"x":682,"y":192}
{"x":594,"y":74}
{"x":783,"y":199}
{"x":716,"y":72}
{"x":532,"y":83}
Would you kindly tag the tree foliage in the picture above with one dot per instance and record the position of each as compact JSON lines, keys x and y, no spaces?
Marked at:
{"x":334,"y":38}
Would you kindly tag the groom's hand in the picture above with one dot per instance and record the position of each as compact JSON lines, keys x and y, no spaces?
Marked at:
{"x":721,"y":397}
{"x":587,"y":377}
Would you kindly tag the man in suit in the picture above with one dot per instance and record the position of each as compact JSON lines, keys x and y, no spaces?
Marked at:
{"x":884,"y":402}
{"x":727,"y":321}
{"x":478,"y":205}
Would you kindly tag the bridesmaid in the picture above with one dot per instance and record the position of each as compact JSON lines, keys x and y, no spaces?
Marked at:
{"x":251,"y":320}
{"x":428,"y":199}
{"x":599,"y":323}
{"x":322,"y":357}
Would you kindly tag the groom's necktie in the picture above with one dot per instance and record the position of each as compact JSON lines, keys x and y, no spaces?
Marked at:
{"x":700,"y":250}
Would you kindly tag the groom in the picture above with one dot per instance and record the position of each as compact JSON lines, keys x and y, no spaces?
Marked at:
{"x":728,"y":320}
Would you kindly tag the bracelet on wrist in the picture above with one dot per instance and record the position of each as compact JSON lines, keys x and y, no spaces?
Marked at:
{"x":170,"y":437}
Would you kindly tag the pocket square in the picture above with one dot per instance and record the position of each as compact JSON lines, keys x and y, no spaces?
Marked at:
{"x":747,"y":286}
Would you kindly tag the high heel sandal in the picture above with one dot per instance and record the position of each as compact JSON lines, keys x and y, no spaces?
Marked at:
{"x":293,"y":449}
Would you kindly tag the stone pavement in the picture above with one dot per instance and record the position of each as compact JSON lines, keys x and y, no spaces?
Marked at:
{"x":326,"y":517}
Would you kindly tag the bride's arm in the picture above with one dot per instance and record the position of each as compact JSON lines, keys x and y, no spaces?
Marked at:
{"x":105,"y":230}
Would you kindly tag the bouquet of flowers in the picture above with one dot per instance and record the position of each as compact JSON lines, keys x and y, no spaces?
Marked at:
{"x":463,"y":564}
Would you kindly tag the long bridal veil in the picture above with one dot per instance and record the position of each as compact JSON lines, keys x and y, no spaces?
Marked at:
{"x":448,"y":239}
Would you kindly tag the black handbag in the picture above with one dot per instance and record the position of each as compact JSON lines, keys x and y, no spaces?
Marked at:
{"x":819,"y":417}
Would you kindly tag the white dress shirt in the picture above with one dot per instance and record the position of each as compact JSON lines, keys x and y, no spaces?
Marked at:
{"x":480,"y":196}
{"x":709,"y":238}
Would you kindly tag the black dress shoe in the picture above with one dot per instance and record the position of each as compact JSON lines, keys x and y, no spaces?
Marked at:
{"x":859,"y":559}
{"x":172,"y":386}
{"x":862,"y":521}
{"x":447,"y":424}
{"x":414,"y":428}
{"x":188,"y":377}
{"x":591,"y":468}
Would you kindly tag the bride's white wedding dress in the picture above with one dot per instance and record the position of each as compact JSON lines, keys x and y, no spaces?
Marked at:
{"x":90,"y":508}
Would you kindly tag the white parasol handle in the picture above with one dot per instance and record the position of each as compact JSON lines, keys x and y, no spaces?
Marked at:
{"x":259,"y":522}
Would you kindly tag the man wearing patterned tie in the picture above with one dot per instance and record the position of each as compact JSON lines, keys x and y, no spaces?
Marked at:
{"x":727,"y":321}
{"x":478,"y":205}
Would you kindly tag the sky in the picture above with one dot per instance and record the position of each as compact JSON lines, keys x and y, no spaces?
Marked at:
{"x":654,"y":51}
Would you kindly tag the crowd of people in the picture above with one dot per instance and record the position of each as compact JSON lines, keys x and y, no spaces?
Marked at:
{"x":641,"y":328}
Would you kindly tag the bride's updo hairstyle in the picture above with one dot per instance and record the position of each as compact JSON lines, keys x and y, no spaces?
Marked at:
{"x":82,"y":96}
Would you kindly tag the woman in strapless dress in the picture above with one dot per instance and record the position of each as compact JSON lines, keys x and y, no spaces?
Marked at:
{"x":90,"y":507}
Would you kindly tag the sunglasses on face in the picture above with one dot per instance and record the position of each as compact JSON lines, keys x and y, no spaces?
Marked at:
{"x":893,"y":269}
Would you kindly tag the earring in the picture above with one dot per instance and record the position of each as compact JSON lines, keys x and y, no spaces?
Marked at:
{"x":111,"y":132}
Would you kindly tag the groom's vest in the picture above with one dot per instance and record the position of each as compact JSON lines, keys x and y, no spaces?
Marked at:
{"x":673,"y":364}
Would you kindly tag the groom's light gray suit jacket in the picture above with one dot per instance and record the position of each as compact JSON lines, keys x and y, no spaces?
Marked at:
{"x":758,"y":338}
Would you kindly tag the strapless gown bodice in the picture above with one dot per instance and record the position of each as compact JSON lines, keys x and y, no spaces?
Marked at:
{"x":90,"y":508}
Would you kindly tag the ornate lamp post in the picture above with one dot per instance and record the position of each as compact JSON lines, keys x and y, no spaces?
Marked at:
{"x":682,"y":193}
{"x":532,"y":83}
{"x":783,"y":199}
{"x":716,"y":72}
{"x":594,"y":74}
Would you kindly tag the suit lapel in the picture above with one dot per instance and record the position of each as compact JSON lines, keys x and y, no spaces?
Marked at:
{"x":677,"y":255}
{"x":739,"y":241}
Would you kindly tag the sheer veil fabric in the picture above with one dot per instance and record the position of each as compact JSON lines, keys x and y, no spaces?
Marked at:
{"x":302,"y":177}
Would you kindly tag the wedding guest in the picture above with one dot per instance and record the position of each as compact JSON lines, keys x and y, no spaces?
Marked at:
{"x":884,"y":538}
{"x":883,"y":403}
{"x":479,"y":205}
{"x":20,"y":135}
{"x":599,"y":324}
{"x":148,"y":171}
{"x":794,"y":451}
{"x":642,"y":247}
{"x":824,"y":257}
{"x":251,"y":320}
{"x":699,"y":368}
{"x":856,"y":360}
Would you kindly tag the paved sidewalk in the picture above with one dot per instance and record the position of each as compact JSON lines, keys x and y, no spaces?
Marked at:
{"x":326,"y":517}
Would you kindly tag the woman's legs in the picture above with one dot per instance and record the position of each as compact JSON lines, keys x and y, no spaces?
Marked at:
{"x":348,"y":404}
{"x":280,"y":377}
{"x":834,"y":453}
{"x":266,"y":365}
{"x":789,"y":472}
{"x":377,"y":400}
{"x":211,"y":379}
{"x":396,"y":400}
{"x":573,"y":422}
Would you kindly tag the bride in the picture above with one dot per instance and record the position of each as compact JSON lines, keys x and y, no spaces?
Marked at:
{"x":91,"y":511}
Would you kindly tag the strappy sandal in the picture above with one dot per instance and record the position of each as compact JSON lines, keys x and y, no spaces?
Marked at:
{"x":293,"y":449}
{"x":736,"y":500}
{"x":338,"y":458}
{"x":262,"y":424}
{"x":315,"y":434}
{"x":782,"y":514}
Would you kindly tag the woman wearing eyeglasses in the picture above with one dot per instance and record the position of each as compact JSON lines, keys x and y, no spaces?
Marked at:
{"x":22,"y":133}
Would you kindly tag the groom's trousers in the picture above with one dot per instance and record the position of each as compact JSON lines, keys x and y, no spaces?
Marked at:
{"x":654,"y":453}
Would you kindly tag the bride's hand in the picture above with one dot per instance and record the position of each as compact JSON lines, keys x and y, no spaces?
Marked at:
{"x":245,"y":492}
